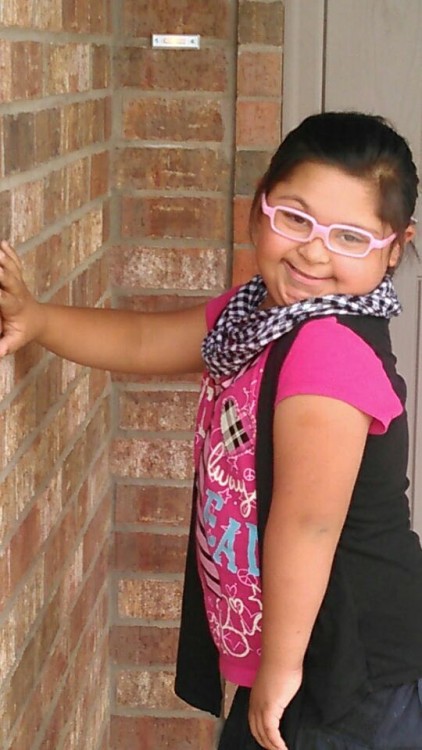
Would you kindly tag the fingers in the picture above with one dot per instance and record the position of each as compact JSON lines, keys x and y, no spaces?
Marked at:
{"x":10,"y":254}
{"x":265,"y":729}
{"x":10,"y":269}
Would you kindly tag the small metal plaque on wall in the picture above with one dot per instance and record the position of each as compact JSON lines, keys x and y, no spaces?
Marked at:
{"x":176,"y":41}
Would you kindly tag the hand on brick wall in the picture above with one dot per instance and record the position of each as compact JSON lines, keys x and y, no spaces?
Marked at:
{"x":20,"y":312}
{"x":118,"y":340}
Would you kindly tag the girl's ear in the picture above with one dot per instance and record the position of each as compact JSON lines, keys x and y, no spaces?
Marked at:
{"x":397,"y":249}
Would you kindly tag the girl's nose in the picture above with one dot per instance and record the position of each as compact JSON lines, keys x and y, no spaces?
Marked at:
{"x":315,"y":251}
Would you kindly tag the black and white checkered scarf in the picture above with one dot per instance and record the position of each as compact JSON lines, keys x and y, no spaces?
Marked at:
{"x":243,"y":330}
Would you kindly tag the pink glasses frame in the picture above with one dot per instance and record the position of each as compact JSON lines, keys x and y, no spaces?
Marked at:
{"x":323,"y":230}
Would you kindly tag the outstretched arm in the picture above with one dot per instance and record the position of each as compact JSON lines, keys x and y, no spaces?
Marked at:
{"x":318,"y":447}
{"x":125,"y":341}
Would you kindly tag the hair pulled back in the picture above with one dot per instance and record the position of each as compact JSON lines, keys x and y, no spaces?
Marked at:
{"x":361,"y":145}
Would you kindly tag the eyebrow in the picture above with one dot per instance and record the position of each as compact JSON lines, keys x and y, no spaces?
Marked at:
{"x":308,"y":210}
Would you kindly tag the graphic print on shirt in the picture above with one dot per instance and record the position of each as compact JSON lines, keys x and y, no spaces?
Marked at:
{"x":226,"y":528}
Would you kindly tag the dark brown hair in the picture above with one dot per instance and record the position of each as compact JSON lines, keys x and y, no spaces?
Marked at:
{"x":361,"y":145}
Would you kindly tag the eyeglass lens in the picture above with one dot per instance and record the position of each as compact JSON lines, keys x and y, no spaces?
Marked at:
{"x":298,"y":227}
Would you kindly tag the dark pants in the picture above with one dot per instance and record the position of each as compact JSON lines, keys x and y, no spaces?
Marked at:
{"x":389,"y":719}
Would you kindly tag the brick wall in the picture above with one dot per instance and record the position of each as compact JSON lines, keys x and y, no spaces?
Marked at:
{"x":55,"y":498}
{"x":193,"y":132}
{"x":184,"y":136}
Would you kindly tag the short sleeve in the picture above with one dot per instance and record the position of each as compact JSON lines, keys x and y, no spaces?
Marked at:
{"x":329,"y":359}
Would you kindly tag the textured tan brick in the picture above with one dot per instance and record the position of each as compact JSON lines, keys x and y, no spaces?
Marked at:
{"x":156,"y":733}
{"x":258,"y":123}
{"x":20,"y":420}
{"x":169,"y":268}
{"x":141,"y":18}
{"x":5,"y":69}
{"x":68,"y":68}
{"x":261,"y":22}
{"x":19,"y":142}
{"x":173,"y":120}
{"x":149,"y":599}
{"x":5,"y":213}
{"x":166,"y":505}
{"x":27,"y":211}
{"x":147,"y":690}
{"x":153,"y":459}
{"x":16,"y":13}
{"x":191,"y":70}
{"x":172,"y":168}
{"x":47,"y":14}
{"x":250,"y":166}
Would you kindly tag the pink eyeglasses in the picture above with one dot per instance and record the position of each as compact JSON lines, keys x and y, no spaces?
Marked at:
{"x":339,"y":238}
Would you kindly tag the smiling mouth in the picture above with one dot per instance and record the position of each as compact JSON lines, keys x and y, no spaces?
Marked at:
{"x":305,"y":275}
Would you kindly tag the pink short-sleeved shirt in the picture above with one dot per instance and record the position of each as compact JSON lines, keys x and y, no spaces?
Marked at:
{"x":325,"y":359}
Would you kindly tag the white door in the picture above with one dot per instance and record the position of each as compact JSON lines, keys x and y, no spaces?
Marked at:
{"x":367,"y":55}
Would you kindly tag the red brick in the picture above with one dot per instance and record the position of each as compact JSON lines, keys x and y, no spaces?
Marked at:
{"x":77,"y":185}
{"x":100,"y":182}
{"x":47,"y":135}
{"x":172,"y":168}
{"x":143,"y":645}
{"x":27,"y":77}
{"x":101,"y":67}
{"x":259,"y":73}
{"x":157,"y":553}
{"x":25,"y":546}
{"x":156,"y":733}
{"x":142,"y":18}
{"x":157,"y":411}
{"x":241,"y":210}
{"x":175,"y":70}
{"x":258,"y":123}
{"x":76,"y":16}
{"x":97,"y":533}
{"x":173,"y":120}
{"x":166,"y":505}
{"x":187,"y":218}
{"x":52,"y":263}
{"x":54,"y":195}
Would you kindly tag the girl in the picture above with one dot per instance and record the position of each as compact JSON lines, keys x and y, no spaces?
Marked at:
{"x":301,"y":434}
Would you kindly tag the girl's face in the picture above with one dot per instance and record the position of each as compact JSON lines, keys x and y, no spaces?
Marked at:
{"x":294,"y":270}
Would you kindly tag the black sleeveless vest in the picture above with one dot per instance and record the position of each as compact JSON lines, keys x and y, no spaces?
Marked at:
{"x":368,"y":633}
